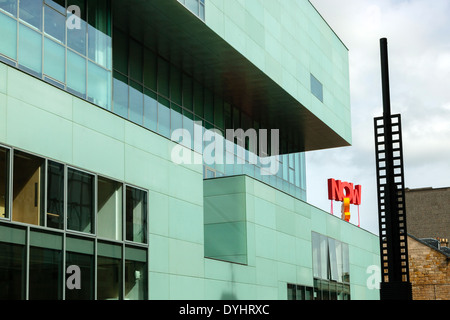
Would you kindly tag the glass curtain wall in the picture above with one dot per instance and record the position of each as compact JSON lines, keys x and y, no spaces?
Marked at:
{"x":156,"y":94}
{"x":49,"y":39}
{"x":4,"y":181}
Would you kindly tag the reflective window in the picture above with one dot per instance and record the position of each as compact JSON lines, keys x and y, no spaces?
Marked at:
{"x":109,"y":272}
{"x":9,"y":6}
{"x":80,"y":201}
{"x":110,"y":207}
{"x":28,"y":189}
{"x":136,"y":274}
{"x":99,"y":80}
{"x":80,"y":253}
{"x":12,"y":271}
{"x":330,"y":268}
{"x":4,"y":180}
{"x":30,"y":11}
{"x":45,"y":266}
{"x":297,"y":292}
{"x":55,"y":195}
{"x":136,"y":215}
{"x":54,"y":24}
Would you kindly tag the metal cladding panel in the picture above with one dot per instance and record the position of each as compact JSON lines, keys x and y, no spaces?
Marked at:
{"x":216,"y":59}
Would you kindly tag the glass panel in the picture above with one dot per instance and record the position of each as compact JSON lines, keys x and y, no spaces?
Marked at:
{"x":150,"y":74}
{"x":176,"y":119}
{"x":136,"y":103}
{"x":136,"y":215}
{"x":76,"y":72}
{"x":4,"y":179}
{"x":109,"y":275}
{"x":85,"y":263}
{"x":80,"y":201}
{"x":8,"y":30}
{"x":58,"y":5}
{"x":54,"y":24}
{"x":346,"y":263}
{"x":198,"y":99}
{"x":163,"y":77}
{"x":77,"y":28}
{"x":188,"y":95}
{"x":99,"y":81}
{"x":333,"y":259}
{"x":136,"y":287}
{"x":9,"y":6}
{"x":175,"y":85}
{"x":110,"y":195}
{"x":315,"y":240}
{"x":99,"y":33}
{"x":150,"y":110}
{"x":55,"y":195}
{"x":54,"y":60}
{"x":120,"y":95}
{"x":135,"y":61}
{"x":291,"y":294}
{"x":31,"y":12}
{"x":163,"y":117}
{"x":323,"y":257}
{"x":30,"y":44}
{"x":309,"y":293}
{"x":192,"y":5}
{"x":120,"y":51}
{"x":46,"y":276}
{"x":28,"y":182}
{"x":12,"y":271}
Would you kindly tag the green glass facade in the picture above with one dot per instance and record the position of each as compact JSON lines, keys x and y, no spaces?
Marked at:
{"x":92,"y":94}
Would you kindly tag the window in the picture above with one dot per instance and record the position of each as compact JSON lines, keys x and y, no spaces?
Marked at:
{"x":297,"y":292}
{"x":110,"y":207}
{"x":28,"y":191}
{"x":55,"y":195}
{"x":316,"y":88}
{"x":80,"y":253}
{"x":52,"y":195}
{"x":9,"y":6}
{"x":12,"y":271}
{"x":330,"y":268}
{"x":135,"y":274}
{"x":4,"y":181}
{"x":45,"y":266}
{"x":80,"y":201}
{"x":136,"y":215}
{"x":109,"y":272}
{"x":30,"y":11}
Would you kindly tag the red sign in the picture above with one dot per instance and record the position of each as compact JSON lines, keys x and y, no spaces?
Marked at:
{"x":338,"y":190}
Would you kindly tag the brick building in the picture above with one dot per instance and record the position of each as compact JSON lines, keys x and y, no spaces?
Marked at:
{"x":428,"y":270}
{"x":428,"y":213}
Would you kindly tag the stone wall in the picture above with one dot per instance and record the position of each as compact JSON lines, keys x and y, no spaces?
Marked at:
{"x":429,"y":271}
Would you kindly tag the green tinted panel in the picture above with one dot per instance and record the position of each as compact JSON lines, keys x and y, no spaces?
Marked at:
{"x":54,"y":60}
{"x":8,"y":30}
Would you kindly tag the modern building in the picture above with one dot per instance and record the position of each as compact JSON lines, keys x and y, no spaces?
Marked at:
{"x":102,"y":196}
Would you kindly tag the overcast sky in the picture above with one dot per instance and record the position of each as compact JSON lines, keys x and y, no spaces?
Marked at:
{"x":418,"y":33}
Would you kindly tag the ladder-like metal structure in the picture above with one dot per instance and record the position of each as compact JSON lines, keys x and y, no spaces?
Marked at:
{"x":395,"y":282}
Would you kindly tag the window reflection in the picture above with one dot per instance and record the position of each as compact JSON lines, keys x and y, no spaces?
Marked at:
{"x":80,"y":201}
{"x":55,"y":195}
{"x":30,"y":11}
{"x":136,"y":215}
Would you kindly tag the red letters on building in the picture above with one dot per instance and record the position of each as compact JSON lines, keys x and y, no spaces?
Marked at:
{"x":338,"y":190}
